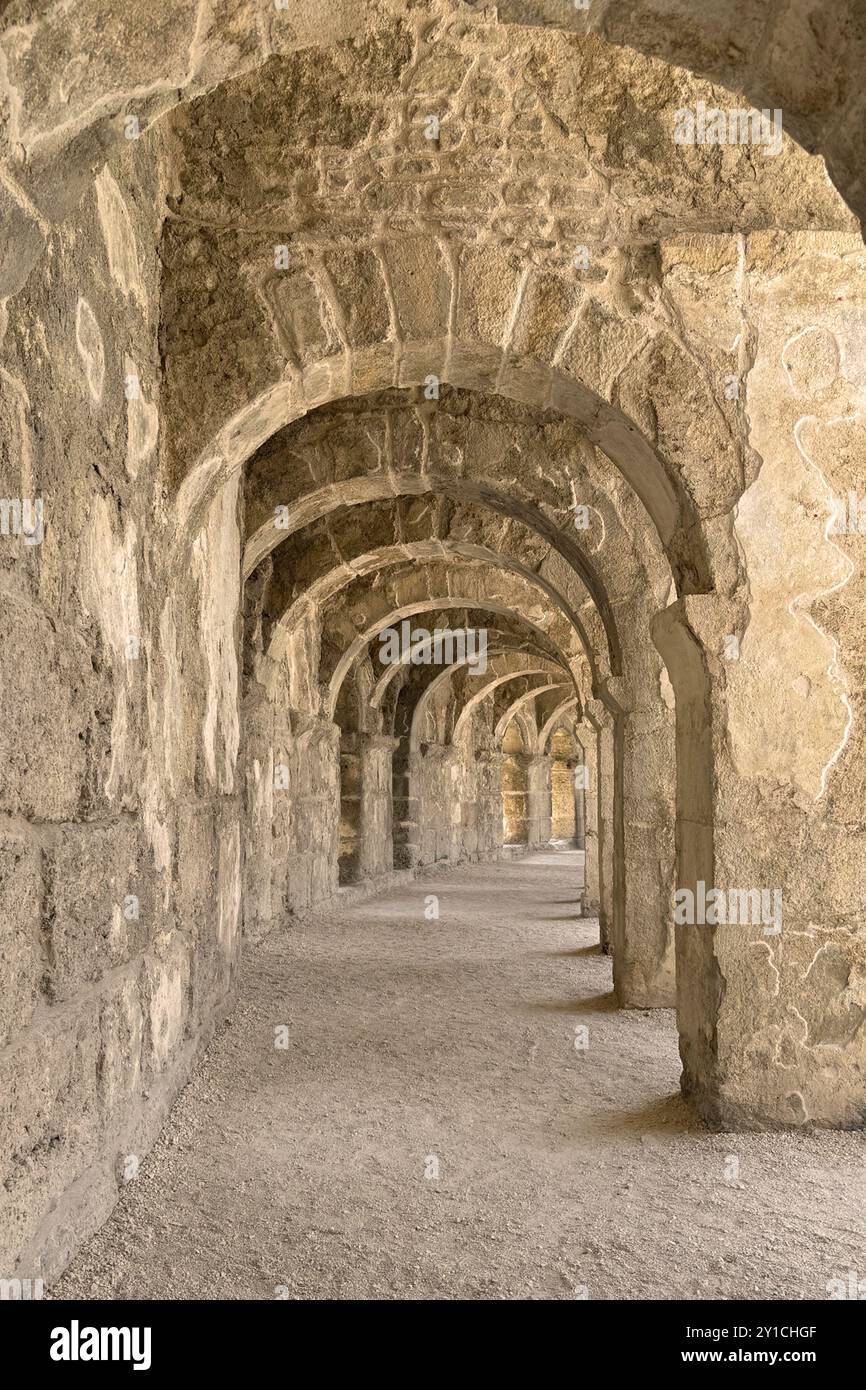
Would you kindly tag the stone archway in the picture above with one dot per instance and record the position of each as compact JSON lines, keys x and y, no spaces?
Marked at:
{"x":551,"y":315}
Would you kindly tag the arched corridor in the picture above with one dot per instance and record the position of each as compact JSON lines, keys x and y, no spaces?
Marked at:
{"x":432,"y":441}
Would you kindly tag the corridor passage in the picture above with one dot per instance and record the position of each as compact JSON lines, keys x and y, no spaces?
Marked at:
{"x":435,"y":1128}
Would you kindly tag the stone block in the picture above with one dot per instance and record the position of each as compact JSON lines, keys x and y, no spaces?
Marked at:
{"x":93,"y":875}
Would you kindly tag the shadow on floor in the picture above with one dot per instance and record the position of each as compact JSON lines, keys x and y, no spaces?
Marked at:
{"x":591,"y":1004}
{"x":667,"y":1116}
{"x":593,"y":950}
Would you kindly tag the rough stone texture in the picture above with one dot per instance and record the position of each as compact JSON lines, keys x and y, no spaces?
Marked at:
{"x":287,"y":374}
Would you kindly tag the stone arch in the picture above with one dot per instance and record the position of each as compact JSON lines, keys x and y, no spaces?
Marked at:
{"x":553,"y":721}
{"x":817,"y":114}
{"x":470,"y":366}
{"x":504,"y":667}
{"x":500,"y":678}
{"x":67,"y":128}
{"x":156,"y":764}
{"x":338,"y":579}
{"x":566,"y":757}
{"x":641,"y":895}
{"x":526,"y":698}
{"x":395,"y":616}
{"x":522,"y":723}
{"x":392,"y":672}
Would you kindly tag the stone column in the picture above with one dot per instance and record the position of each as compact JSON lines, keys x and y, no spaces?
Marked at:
{"x":591,"y":901}
{"x":515,"y":809}
{"x":488,"y":801}
{"x":537,"y":800}
{"x":638,"y":748}
{"x":376,"y":853}
{"x":600,"y":721}
{"x":771,"y":997}
{"x":404,"y":828}
{"x":648,"y":975}
{"x":426,"y":831}
{"x":770,"y":1004}
{"x":578,"y":773}
{"x":311,"y":813}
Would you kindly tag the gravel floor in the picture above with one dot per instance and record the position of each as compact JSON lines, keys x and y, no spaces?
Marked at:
{"x":420,"y":1045}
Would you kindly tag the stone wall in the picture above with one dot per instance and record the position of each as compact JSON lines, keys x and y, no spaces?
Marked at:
{"x":120,"y":852}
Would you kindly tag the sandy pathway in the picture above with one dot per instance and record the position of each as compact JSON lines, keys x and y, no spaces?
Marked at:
{"x":414,"y":1043}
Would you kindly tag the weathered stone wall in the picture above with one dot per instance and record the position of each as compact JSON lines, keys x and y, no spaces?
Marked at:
{"x":787,"y":708}
{"x":119,"y":811}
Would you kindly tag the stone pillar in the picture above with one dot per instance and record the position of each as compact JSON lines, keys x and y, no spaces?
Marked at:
{"x":591,"y":902}
{"x":578,"y":773}
{"x":404,"y":825}
{"x":376,"y":854}
{"x":647,"y":978}
{"x":465,"y":778}
{"x":515,"y":809}
{"x":771,"y":996}
{"x":537,"y":799}
{"x":600,"y":720}
{"x":310,"y":816}
{"x":426,"y":804}
{"x":638,"y":748}
{"x":488,"y":800}
{"x":350,"y":809}
{"x":258,"y":755}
